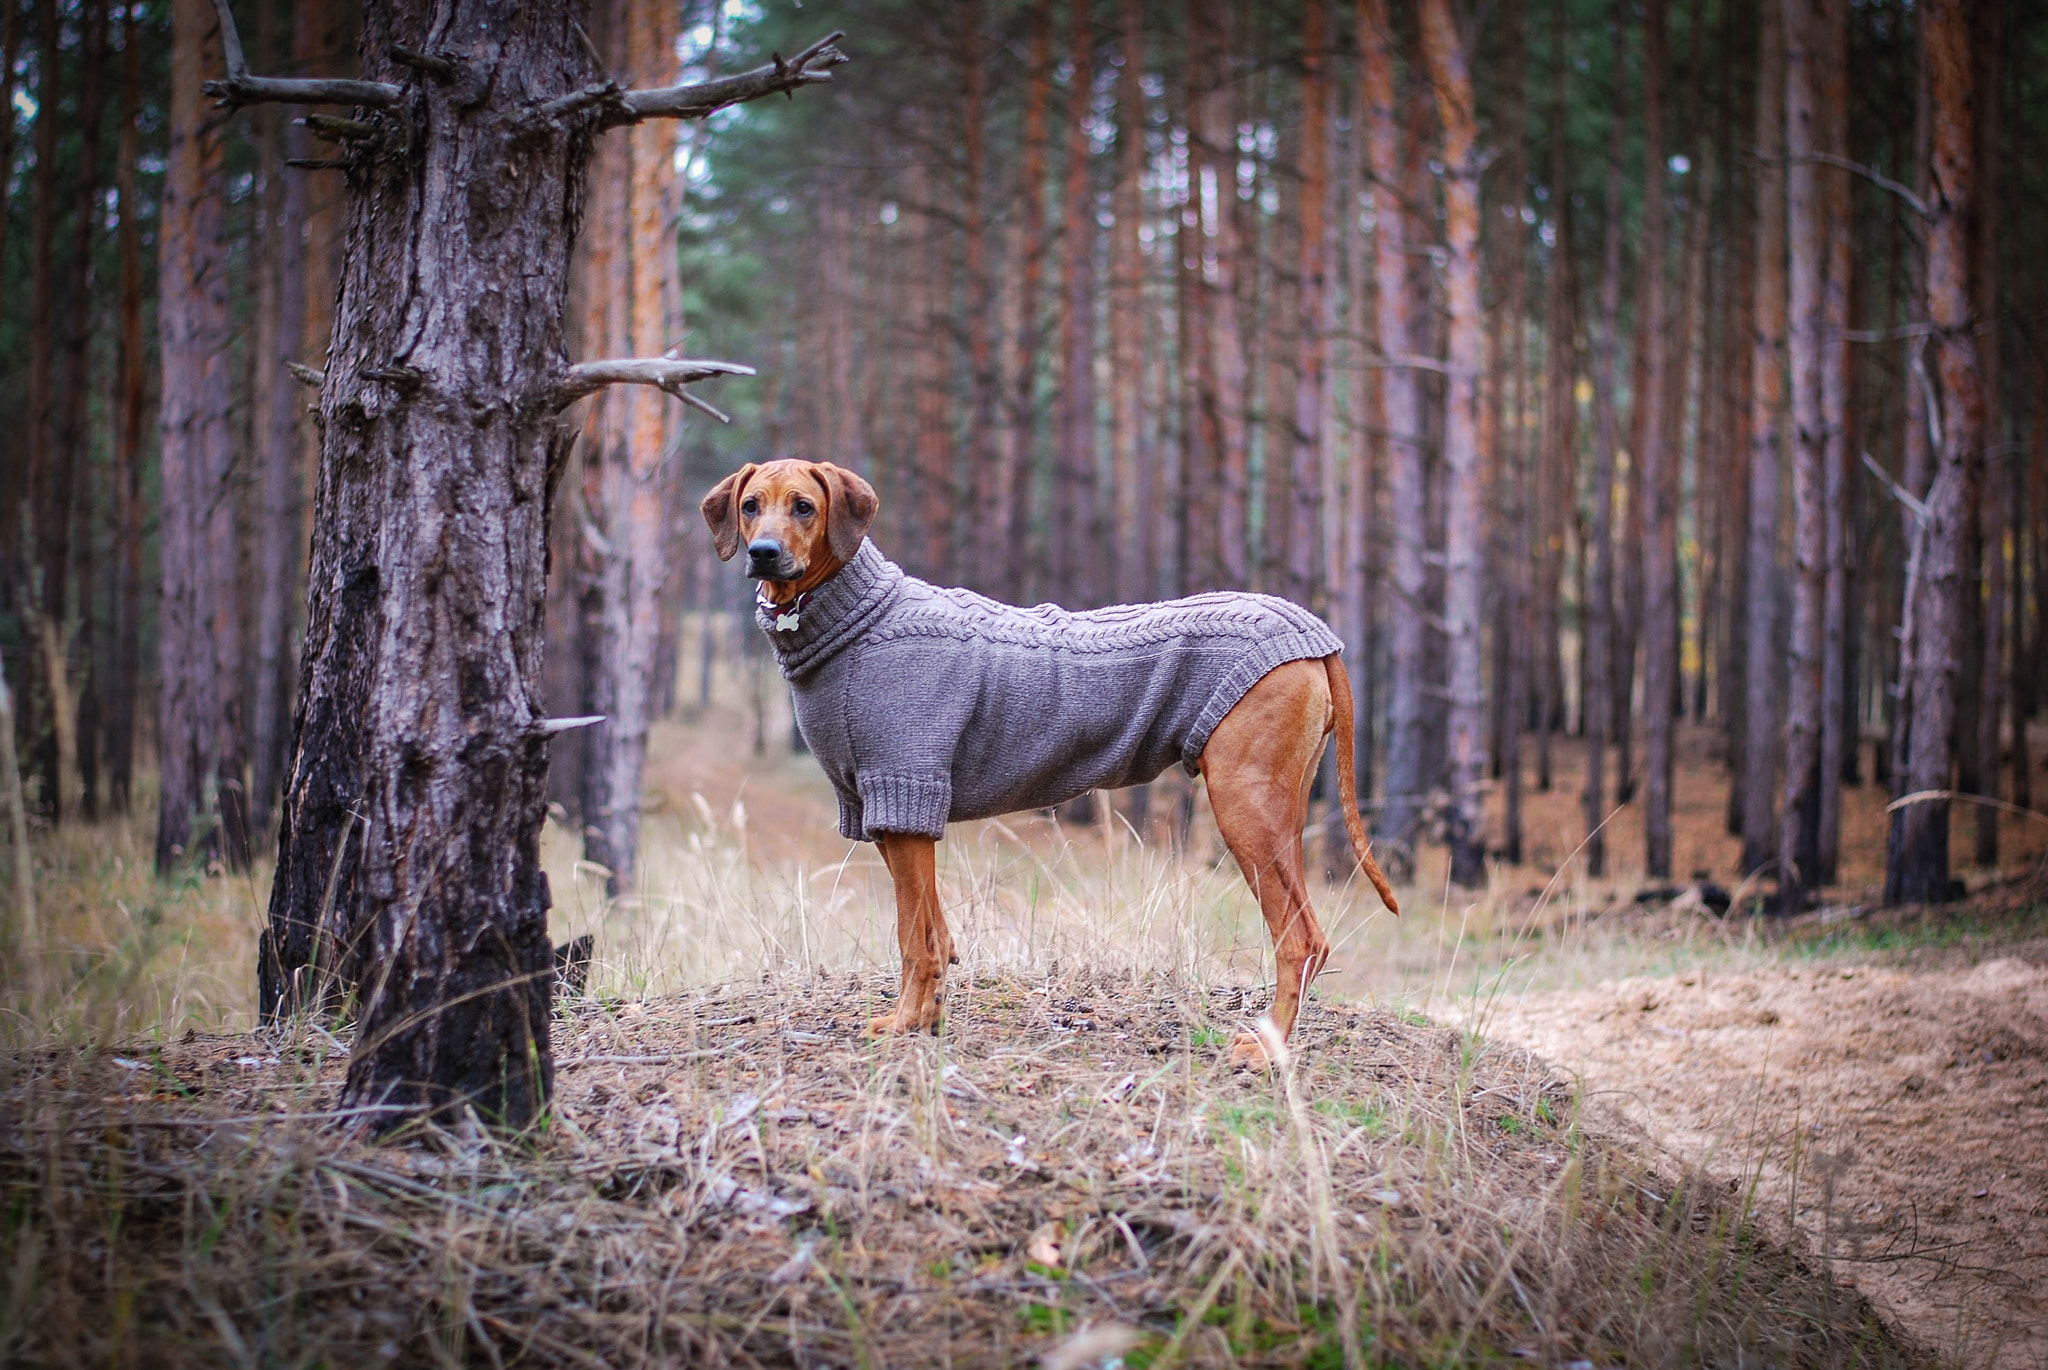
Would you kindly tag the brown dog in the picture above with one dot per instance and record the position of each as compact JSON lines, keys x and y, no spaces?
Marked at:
{"x":803,"y":522}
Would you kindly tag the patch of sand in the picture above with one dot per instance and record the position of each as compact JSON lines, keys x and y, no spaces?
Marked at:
{"x":1896,"y":1113}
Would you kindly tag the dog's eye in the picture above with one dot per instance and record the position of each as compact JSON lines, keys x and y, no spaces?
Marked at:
{"x":804,"y":508}
{"x":750,"y":506}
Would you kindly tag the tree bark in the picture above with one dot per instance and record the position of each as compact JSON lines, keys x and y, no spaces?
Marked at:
{"x":981,"y":558}
{"x":49,"y":728}
{"x":1464,"y":355}
{"x":1917,"y":859}
{"x":1988,"y":47}
{"x":13,"y":473}
{"x":1225,"y":388}
{"x":1401,"y":811}
{"x":1131,"y":459}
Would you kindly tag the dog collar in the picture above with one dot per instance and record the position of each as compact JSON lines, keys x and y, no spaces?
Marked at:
{"x":785,"y":619}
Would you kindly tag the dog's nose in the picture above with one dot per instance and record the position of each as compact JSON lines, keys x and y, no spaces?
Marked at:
{"x":764,"y":549}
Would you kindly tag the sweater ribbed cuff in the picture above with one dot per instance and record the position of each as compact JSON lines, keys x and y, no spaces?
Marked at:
{"x":905,"y":803}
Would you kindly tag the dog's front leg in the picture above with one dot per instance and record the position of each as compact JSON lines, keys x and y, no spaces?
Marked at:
{"x":921,"y":934}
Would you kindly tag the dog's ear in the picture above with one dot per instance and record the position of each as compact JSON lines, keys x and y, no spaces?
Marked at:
{"x":722,"y":511}
{"x":850,"y":508}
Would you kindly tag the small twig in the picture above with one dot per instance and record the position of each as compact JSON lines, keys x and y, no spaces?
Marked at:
{"x":335,"y":129}
{"x":808,"y":67}
{"x":1871,"y":174}
{"x":438,"y":67}
{"x":548,"y":727}
{"x":240,"y":88}
{"x":306,"y":375}
{"x":1899,"y":492}
{"x":669,"y":374}
{"x":1935,"y":796}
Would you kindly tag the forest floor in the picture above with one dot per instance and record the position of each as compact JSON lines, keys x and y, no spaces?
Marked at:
{"x":1541,"y":1121}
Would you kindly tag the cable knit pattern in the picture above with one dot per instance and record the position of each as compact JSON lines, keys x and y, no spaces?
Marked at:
{"x":927,"y":704}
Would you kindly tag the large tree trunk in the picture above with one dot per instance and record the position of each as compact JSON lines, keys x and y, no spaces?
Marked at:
{"x":49,"y":727}
{"x":1917,"y":864}
{"x":416,"y":788}
{"x":1988,"y":49}
{"x":631,"y":449}
{"x":195,"y":528}
{"x":1464,"y":355}
{"x":1656,"y":461}
{"x":1225,"y":393}
{"x":1407,"y":782}
{"x":13,"y":473}
{"x":1131,"y":459}
{"x":980,"y":559}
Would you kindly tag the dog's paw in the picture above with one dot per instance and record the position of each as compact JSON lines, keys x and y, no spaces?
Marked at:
{"x":885,"y":1026}
{"x":1247,"y":1052}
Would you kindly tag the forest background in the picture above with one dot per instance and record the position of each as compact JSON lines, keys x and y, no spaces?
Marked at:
{"x":1591,"y":366}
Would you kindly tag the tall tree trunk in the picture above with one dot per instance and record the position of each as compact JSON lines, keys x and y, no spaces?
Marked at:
{"x":130,"y":401}
{"x":1764,"y":651}
{"x":981,"y":558}
{"x":1031,"y":283}
{"x":1657,"y":462}
{"x":49,"y":466}
{"x":14,"y":486}
{"x":71,"y":498}
{"x":1989,"y":41}
{"x":633,"y":502}
{"x":1831,"y":88}
{"x":1314,"y":298}
{"x":1600,"y":669}
{"x":1226,"y":388}
{"x":279,"y":448}
{"x":1521,"y":506}
{"x":1078,"y":540}
{"x":1131,"y":455}
{"x":1464,"y":355}
{"x":1917,"y":865}
{"x":1407,"y":474}
{"x":196,"y":520}
{"x":1557,"y":475}
{"x":1806,"y":230}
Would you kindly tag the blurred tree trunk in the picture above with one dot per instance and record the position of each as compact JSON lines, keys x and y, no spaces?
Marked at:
{"x":1917,"y":859}
{"x":1837,"y":737}
{"x":131,"y":398}
{"x":629,"y":472}
{"x":71,"y":498}
{"x":278,"y":445}
{"x":1521,"y":502}
{"x":1991,"y":225}
{"x":1656,"y":460}
{"x":1407,"y":782}
{"x":1216,"y":134}
{"x":1600,"y":671}
{"x":13,"y":472}
{"x":1077,"y":538}
{"x":1464,"y":355}
{"x":1359,"y":625}
{"x":1131,"y":457}
{"x":980,"y":556}
{"x":1314,"y":296}
{"x":1806,"y":232}
{"x":195,"y":537}
{"x":1023,"y":580}
{"x":45,"y":697}
{"x":1557,"y":475}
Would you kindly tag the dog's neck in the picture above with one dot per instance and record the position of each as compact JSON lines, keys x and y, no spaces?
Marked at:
{"x":783,"y":593}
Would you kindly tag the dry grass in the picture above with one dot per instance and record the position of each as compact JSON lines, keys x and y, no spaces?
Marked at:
{"x":1069,"y":1174}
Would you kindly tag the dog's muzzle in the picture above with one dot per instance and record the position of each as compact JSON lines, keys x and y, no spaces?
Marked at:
{"x":768,"y":559}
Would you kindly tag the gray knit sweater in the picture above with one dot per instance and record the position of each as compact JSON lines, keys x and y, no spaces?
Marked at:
{"x":927,"y":704}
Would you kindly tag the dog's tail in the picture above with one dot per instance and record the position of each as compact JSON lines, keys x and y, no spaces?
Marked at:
{"x":1347,"y":782}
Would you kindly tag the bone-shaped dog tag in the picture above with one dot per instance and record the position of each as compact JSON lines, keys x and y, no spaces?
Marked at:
{"x":785,"y":623}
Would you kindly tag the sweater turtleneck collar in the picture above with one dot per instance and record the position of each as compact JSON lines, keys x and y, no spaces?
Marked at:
{"x":835,"y":613}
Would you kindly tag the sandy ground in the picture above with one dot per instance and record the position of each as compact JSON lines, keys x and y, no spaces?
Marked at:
{"x":1895,"y":1110}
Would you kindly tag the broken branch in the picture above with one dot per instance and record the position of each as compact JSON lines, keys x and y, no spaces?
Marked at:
{"x":808,"y":67}
{"x":669,"y":374}
{"x":240,"y":88}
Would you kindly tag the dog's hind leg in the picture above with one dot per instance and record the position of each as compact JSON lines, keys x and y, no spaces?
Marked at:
{"x":1259,"y":764}
{"x":921,"y":934}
